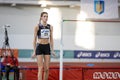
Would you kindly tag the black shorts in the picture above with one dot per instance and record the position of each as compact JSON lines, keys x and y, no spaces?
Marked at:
{"x":43,"y":49}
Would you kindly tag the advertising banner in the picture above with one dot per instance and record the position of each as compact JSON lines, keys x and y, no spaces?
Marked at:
{"x":97,"y":54}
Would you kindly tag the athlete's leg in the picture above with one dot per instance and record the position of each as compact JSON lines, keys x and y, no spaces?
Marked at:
{"x":46,"y":66}
{"x":40,"y":66}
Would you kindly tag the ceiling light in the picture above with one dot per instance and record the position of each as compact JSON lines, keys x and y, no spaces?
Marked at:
{"x":13,"y":4}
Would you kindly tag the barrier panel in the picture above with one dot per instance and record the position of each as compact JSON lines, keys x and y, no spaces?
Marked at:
{"x":69,"y":73}
{"x":76,"y":71}
{"x":30,"y":73}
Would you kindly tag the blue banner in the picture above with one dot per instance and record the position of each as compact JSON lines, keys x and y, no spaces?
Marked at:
{"x":97,"y":54}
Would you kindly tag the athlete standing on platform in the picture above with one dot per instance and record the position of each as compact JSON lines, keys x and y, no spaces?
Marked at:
{"x":43,"y":45}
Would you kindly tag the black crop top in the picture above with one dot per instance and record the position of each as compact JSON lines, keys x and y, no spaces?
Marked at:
{"x":44,"y":31}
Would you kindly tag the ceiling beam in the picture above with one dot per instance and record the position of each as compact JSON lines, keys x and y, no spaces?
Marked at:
{"x":54,"y":3}
{"x":39,"y":2}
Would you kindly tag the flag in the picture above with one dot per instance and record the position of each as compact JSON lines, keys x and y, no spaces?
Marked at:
{"x":100,"y":9}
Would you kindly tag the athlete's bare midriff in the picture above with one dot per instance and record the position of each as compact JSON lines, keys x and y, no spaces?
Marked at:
{"x":43,"y":41}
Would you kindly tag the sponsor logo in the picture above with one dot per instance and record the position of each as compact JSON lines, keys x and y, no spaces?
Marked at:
{"x":116,"y":55}
{"x":84,"y":54}
{"x":99,"y":54}
{"x":44,"y":30}
{"x":106,"y":75}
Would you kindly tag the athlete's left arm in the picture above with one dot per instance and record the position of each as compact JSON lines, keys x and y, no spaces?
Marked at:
{"x":51,"y":39}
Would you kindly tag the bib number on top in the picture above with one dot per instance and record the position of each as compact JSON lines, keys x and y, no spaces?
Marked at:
{"x":45,"y":33}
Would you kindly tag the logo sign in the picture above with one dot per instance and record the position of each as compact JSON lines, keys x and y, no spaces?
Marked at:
{"x":101,"y":73}
{"x":106,"y":75}
{"x":99,"y":6}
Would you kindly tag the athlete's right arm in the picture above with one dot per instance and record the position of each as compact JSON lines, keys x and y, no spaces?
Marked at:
{"x":34,"y":41}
